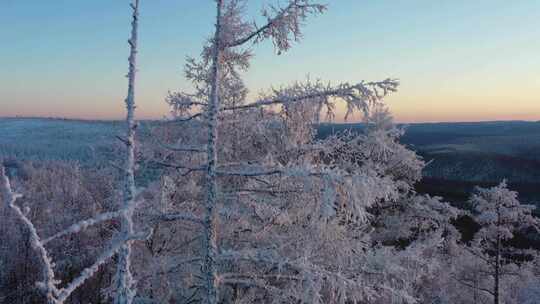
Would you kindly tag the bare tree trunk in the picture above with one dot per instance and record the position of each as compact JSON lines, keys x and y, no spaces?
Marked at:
{"x":125,"y":283}
{"x":210,"y":233}
{"x":497,"y":261}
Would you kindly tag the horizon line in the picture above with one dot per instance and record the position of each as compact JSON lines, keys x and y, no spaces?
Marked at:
{"x":325,"y":122}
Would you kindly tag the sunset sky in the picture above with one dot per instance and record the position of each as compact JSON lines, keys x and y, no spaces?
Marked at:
{"x":458,"y":60}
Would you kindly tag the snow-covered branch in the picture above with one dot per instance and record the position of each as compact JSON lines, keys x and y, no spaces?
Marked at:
{"x":250,"y":173}
{"x":48,"y":285}
{"x":53,"y":294}
{"x":256,"y":170}
{"x":169,"y":217}
{"x":181,"y":119}
{"x":281,"y":23}
{"x":188,"y":169}
{"x":302,"y":267}
{"x":84,"y":224}
{"x":464,"y":283}
{"x":182,"y":148}
{"x":181,"y":103}
{"x":87,"y":273}
{"x":356,"y":96}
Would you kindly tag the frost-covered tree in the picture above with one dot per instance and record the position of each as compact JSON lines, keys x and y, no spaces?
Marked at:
{"x":500,"y":216}
{"x":54,"y":291}
{"x":283,"y":210}
{"x":124,"y":279}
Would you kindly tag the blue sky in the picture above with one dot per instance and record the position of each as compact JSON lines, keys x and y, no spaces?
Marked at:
{"x":457,"y":60}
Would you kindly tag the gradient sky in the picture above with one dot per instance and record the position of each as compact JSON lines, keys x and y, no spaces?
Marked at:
{"x":461,"y":60}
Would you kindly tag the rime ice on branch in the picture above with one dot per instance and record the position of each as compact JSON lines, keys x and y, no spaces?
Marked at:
{"x":49,"y":285}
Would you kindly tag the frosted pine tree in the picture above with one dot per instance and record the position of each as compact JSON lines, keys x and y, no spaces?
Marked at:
{"x":500,"y":216}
